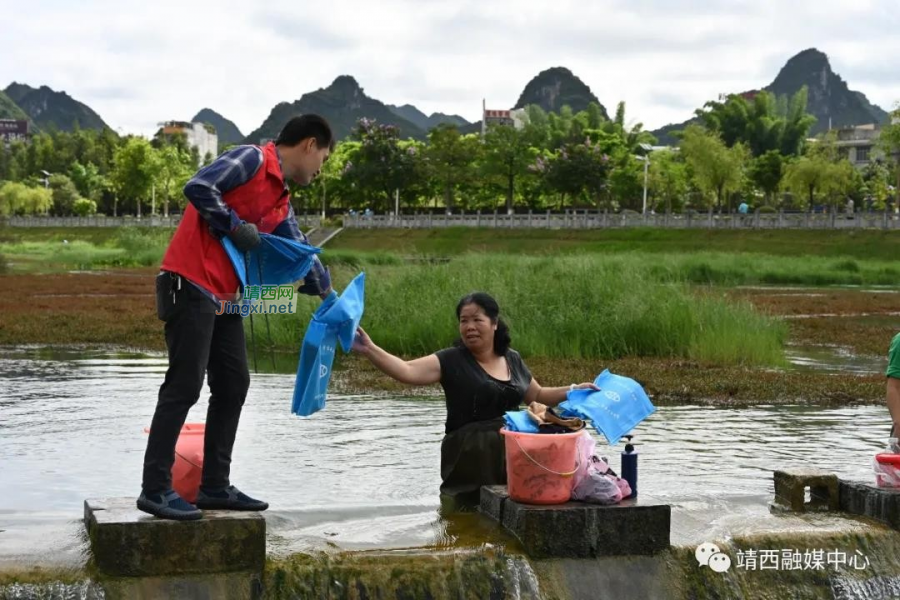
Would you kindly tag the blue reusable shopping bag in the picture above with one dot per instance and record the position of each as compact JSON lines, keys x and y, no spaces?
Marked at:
{"x":518,"y":420}
{"x":615,"y":410}
{"x":279,"y":261}
{"x":334,"y":322}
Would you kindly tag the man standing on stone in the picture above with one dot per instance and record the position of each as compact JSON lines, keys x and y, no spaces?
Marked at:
{"x":242,"y":193}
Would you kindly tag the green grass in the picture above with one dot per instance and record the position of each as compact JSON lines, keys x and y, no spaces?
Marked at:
{"x":861,"y":245}
{"x":721,"y":269}
{"x":98,"y":236}
{"x":568,"y":307}
{"x":47,"y":249}
{"x":99,"y":248}
{"x":566,"y":294}
{"x":700,"y":268}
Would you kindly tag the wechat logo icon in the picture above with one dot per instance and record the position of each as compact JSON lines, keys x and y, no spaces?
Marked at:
{"x":709,"y":555}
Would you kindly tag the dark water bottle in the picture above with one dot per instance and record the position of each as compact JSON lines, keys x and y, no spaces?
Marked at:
{"x":629,"y":466}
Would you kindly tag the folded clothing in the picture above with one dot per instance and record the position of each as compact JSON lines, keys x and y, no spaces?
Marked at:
{"x":545,"y":417}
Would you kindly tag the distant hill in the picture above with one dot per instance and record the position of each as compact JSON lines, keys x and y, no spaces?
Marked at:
{"x":227,"y":131}
{"x":557,"y":87}
{"x":342,"y":103}
{"x":51,"y":109}
{"x":422,"y":121}
{"x":437,"y":118}
{"x":10,"y":110}
{"x":830,"y":98}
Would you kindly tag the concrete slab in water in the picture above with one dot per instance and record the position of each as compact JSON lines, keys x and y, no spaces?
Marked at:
{"x":864,"y":499}
{"x":128,"y":542}
{"x":791,"y":486}
{"x":579,"y":530}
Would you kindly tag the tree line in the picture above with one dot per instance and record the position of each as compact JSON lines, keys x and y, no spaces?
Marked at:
{"x":755,"y":150}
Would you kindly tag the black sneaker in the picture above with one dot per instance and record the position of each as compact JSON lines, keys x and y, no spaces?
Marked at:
{"x":168,"y":505}
{"x":229,"y":498}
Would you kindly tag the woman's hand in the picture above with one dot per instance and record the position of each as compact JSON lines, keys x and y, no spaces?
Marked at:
{"x":586,"y":386}
{"x":362,"y":343}
{"x":554,"y":396}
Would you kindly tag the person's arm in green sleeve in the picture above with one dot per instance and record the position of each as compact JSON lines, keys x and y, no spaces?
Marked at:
{"x":893,"y":384}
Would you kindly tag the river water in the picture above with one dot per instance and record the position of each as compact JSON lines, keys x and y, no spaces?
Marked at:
{"x":364,"y":472}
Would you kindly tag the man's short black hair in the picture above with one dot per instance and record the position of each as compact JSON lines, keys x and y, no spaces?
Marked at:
{"x":306,"y":126}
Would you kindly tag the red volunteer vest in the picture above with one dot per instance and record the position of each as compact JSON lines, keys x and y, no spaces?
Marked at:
{"x":199,"y":257}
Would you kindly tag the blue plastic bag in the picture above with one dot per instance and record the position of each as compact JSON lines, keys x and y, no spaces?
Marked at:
{"x":519,"y":420}
{"x":278,"y":259}
{"x":615,"y":410}
{"x":334,"y":322}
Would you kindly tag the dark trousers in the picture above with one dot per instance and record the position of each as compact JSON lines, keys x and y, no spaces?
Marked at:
{"x":200,"y":343}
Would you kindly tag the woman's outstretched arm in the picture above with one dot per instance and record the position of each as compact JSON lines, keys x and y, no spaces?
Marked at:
{"x":420,"y":371}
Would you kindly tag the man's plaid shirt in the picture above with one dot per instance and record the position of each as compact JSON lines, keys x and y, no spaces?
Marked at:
{"x":231,"y":169}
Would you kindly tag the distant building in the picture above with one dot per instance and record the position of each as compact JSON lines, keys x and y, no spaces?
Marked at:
{"x":201,"y":136}
{"x":12,"y":130}
{"x":515,"y":118}
{"x":859,"y":144}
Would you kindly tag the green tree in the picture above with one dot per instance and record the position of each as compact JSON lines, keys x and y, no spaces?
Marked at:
{"x":87,"y":179}
{"x":19,"y":199}
{"x":843,"y":181}
{"x":806,"y":176}
{"x":766,"y":172}
{"x":330,"y":188}
{"x":16,"y":168}
{"x":581,"y":172}
{"x":717,"y":169}
{"x":6,"y":158}
{"x":41,"y":154}
{"x":333,"y":187}
{"x":11,"y":198}
{"x":537,"y":124}
{"x":64,"y":194}
{"x":382,"y":165}
{"x":330,"y":177}
{"x":668,"y":179}
{"x":173,"y":171}
{"x":763,"y":123}
{"x":889,"y":142}
{"x":560,"y":128}
{"x":876,"y":181}
{"x":814,"y":177}
{"x":102,"y":150}
{"x":632,"y":137}
{"x":595,"y":118}
{"x":135,"y":170}
{"x":451,"y":160}
{"x":507,"y":156}
{"x":84,"y":207}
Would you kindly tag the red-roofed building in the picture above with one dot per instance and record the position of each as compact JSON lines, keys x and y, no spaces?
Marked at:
{"x":514,"y":118}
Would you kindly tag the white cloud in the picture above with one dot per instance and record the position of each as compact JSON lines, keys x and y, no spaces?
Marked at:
{"x":140,"y":63}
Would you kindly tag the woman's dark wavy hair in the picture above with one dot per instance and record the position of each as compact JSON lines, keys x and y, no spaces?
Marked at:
{"x":490,"y":307}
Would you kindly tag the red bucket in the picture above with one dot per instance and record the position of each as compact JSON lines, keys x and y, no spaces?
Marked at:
{"x":188,"y":466}
{"x":540,"y":466}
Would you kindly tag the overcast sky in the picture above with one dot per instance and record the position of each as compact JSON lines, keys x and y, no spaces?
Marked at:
{"x":140,"y":63}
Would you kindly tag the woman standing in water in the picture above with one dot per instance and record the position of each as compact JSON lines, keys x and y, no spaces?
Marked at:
{"x":482,"y":378}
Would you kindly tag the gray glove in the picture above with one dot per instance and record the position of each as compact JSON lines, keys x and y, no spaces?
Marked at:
{"x":245,"y":237}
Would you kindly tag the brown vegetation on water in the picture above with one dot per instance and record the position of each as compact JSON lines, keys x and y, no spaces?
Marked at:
{"x":117,"y":308}
{"x":81,"y":308}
